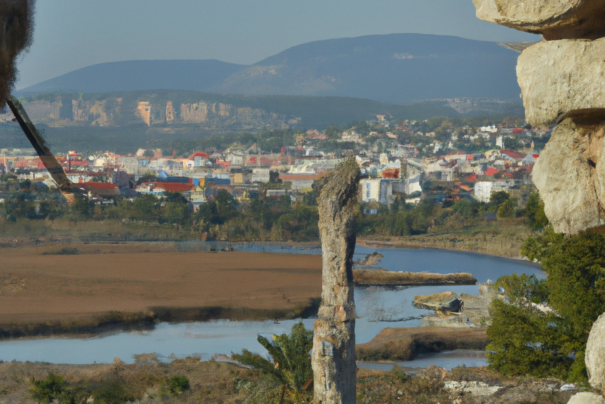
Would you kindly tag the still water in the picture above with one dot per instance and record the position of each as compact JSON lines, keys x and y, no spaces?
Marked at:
{"x":377,"y":308}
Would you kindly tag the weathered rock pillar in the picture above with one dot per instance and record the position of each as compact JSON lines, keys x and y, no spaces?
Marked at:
{"x":334,"y":367}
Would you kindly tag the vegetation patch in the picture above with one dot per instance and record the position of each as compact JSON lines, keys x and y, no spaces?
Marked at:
{"x":363,"y":277}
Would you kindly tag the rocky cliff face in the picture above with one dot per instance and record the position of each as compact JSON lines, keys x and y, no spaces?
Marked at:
{"x":562,"y":81}
{"x":124,"y":110}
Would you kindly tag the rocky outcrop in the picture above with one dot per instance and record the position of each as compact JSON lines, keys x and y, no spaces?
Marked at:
{"x":563,"y":80}
{"x":595,"y":354}
{"x":445,"y":301}
{"x":371,"y":259}
{"x":151,"y":108}
{"x":586,"y":398}
{"x":571,"y":177}
{"x":562,"y":77}
{"x":333,"y":359}
{"x":553,"y":19}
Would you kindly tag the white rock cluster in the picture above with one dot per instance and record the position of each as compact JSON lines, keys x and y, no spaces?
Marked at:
{"x":586,"y":398}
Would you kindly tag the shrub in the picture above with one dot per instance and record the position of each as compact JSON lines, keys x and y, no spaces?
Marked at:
{"x":49,"y":389}
{"x":176,"y":385}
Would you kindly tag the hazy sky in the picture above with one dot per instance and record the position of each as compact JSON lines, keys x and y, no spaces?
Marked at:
{"x":71,"y":34}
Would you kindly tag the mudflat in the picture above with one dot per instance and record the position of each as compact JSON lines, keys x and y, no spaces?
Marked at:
{"x":76,"y":281}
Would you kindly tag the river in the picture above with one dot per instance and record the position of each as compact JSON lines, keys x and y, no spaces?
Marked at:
{"x":377,"y":308}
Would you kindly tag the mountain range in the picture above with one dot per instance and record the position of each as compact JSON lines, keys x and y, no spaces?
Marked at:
{"x":396,"y":68}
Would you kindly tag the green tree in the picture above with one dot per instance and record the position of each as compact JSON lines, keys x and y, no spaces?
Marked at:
{"x":507,"y":208}
{"x":49,"y":389}
{"x":176,"y":385}
{"x":290,"y":363}
{"x":536,"y":217}
{"x":498,"y":198}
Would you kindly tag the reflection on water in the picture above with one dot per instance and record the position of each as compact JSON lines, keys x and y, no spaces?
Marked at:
{"x":446,"y":359}
{"x":377,"y":308}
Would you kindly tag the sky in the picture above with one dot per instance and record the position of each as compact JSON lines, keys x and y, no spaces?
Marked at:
{"x":71,"y":34}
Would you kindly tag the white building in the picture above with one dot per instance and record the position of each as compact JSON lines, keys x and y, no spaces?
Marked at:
{"x":376,"y":190}
{"x":484,"y":189}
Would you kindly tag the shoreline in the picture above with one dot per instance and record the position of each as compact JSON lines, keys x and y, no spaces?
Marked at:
{"x":104,"y":324}
{"x":386,"y":244}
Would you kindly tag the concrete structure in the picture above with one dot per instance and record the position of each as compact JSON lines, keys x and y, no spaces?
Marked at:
{"x":376,"y":190}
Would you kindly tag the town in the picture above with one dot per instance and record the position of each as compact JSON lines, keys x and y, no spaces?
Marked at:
{"x":404,"y":163}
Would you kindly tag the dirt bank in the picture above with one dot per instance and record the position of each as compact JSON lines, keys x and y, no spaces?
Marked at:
{"x":97,"y":285}
{"x":404,"y":344}
{"x":388,"y":278}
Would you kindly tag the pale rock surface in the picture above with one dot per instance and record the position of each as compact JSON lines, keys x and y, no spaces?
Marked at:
{"x":333,"y":357}
{"x":586,"y":398}
{"x":559,"y":77}
{"x":474,"y":388}
{"x":595,"y":354}
{"x":554,"y":19}
{"x":570,"y":176}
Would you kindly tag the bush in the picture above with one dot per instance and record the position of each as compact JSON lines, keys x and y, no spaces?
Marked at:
{"x":176,"y":385}
{"x":49,"y":389}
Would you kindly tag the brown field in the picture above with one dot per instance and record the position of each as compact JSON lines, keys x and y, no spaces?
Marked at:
{"x":37,"y":288}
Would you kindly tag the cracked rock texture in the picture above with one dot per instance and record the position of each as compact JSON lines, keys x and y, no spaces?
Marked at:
{"x":595,"y":354}
{"x":559,"y":77}
{"x":586,"y":398}
{"x":554,"y":19}
{"x":333,"y":359}
{"x":570,"y":176}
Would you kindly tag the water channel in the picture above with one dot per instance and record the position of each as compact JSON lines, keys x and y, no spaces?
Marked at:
{"x":377,"y":308}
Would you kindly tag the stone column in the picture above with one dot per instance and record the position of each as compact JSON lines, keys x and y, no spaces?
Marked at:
{"x":333,"y":359}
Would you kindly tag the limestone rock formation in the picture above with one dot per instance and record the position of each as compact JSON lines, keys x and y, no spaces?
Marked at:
{"x":553,"y":19}
{"x":570,"y":176}
{"x":559,"y":77}
{"x":586,"y":398}
{"x":333,"y":360}
{"x":595,"y":354}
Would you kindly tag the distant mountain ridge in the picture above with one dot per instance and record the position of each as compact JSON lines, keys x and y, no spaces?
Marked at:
{"x":138,"y":75}
{"x":396,"y":68}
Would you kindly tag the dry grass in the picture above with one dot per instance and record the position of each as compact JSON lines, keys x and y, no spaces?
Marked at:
{"x":405,"y":343}
{"x":134,"y":284}
{"x":502,"y":238}
{"x":363,"y":277}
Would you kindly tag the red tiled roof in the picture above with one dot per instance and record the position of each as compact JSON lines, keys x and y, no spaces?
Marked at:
{"x":513,"y":154}
{"x":491,"y":171}
{"x":471,"y":178}
{"x":199,"y":154}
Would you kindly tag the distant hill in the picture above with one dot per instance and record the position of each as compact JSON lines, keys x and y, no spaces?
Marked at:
{"x":397,"y":68}
{"x":134,"y":75}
